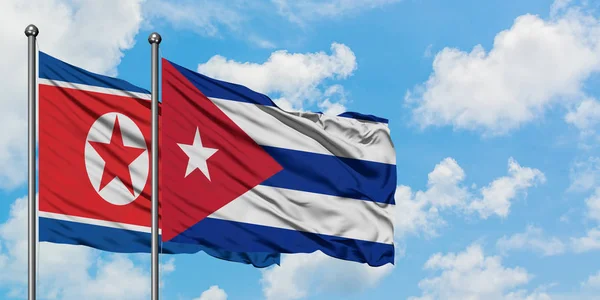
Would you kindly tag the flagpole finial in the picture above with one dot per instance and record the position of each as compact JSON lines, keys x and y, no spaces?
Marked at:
{"x":31,"y":30}
{"x":154,"y":38}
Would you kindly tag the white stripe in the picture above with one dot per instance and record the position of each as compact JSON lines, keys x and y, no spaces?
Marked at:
{"x":96,"y":222}
{"x":309,"y":212}
{"x":95,"y":89}
{"x":311,"y":132}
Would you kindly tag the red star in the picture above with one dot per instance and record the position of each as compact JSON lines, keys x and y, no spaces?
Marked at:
{"x":117,"y":158}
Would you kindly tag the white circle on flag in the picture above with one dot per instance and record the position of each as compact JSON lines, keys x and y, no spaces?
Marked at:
{"x":116,"y":192}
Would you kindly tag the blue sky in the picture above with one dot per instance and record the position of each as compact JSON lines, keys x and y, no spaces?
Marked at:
{"x":493,"y":112}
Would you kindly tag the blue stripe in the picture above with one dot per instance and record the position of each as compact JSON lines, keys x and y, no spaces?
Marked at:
{"x":54,"y":69}
{"x":359,"y":116}
{"x":244,"y":237}
{"x":332,"y":175}
{"x":126,"y":241}
{"x":214,"y":88}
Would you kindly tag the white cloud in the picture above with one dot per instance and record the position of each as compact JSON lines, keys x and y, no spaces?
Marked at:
{"x":443,"y":184}
{"x":261,"y":42}
{"x":302,"y":11}
{"x":204,"y":17}
{"x":532,"y":65}
{"x":415,"y":214}
{"x":585,"y":175}
{"x":89,"y":276}
{"x":559,"y":6}
{"x":586,"y":116}
{"x":299,"y":275}
{"x":524,"y":295}
{"x":472,"y":275}
{"x":584,"y":181}
{"x":213,"y":293}
{"x":496,"y":196}
{"x":168,"y":266}
{"x":593,"y":282}
{"x":590,"y":242}
{"x":117,"y":278}
{"x":420,"y":211}
{"x":69,"y":30}
{"x":296,"y":78}
{"x":532,"y":239}
{"x":332,"y":108}
{"x":335,"y":99}
{"x":593,"y":205}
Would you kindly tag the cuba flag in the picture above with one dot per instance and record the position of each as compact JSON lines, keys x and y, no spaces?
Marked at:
{"x":94,"y":163}
{"x":250,"y":177}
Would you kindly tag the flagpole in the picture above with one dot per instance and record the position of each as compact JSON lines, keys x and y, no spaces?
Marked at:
{"x":31,"y":32}
{"x":154,"y":39}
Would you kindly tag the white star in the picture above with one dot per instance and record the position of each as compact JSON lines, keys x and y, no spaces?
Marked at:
{"x":198,"y":155}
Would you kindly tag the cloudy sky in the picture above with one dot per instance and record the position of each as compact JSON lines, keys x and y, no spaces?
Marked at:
{"x":493,"y":109}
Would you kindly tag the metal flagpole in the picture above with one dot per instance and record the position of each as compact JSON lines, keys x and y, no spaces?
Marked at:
{"x":154,"y":39}
{"x":31,"y":32}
